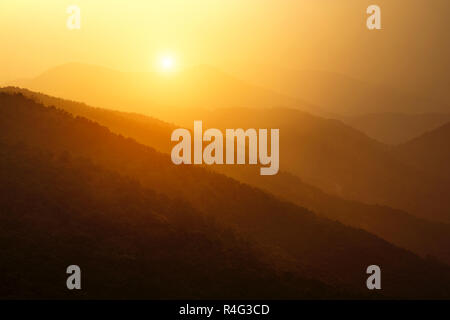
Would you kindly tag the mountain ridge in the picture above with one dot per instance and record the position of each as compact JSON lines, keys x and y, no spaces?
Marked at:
{"x":314,"y":243}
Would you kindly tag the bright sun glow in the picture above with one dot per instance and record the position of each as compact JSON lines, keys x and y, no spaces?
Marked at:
{"x":167,"y":63}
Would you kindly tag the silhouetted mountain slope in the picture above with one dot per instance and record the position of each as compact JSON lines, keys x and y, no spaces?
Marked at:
{"x":395,"y":226}
{"x":143,"y":129}
{"x":429,"y":153}
{"x":396,"y":128}
{"x":129,"y":241}
{"x":316,"y":246}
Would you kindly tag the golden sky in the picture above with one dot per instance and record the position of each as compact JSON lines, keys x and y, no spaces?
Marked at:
{"x":330,"y":35}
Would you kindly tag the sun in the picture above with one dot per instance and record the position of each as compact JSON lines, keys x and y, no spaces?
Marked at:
{"x":167,"y":63}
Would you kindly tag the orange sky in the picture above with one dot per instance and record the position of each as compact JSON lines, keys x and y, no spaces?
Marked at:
{"x":411,"y":51}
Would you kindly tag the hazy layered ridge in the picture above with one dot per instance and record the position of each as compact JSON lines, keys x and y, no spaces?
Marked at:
{"x":339,"y":94}
{"x":313,"y":245}
{"x":397,"y":128}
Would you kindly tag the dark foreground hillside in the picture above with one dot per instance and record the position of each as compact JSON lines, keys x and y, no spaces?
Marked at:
{"x":291,"y":237}
{"x":129,"y":241}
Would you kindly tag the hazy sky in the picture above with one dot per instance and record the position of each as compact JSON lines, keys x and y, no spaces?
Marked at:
{"x":411,"y":50}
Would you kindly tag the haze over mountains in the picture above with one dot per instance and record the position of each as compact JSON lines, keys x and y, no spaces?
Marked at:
{"x":50,"y":150}
{"x":150,"y":92}
{"x":386,"y":114}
